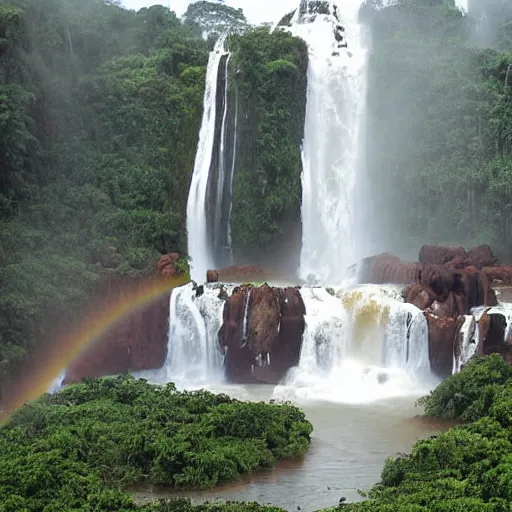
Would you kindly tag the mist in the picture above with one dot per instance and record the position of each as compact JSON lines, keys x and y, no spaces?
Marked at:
{"x":438,"y":146}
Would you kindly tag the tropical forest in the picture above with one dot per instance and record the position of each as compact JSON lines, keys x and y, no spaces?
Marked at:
{"x":256,"y":256}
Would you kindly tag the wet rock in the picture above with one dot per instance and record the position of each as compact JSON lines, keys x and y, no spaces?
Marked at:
{"x":231,"y":336}
{"x":212,"y":276}
{"x":286,"y":352}
{"x":481,"y":257}
{"x":439,"y":255}
{"x":386,"y":268}
{"x":438,"y":278}
{"x":237,"y":274}
{"x":501,"y":274}
{"x":274,"y":324}
{"x":492,"y":334}
{"x":419,"y":295}
{"x":263,"y":320}
{"x":447,"y":308}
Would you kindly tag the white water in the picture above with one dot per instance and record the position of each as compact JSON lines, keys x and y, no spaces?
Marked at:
{"x":333,"y":144}
{"x":359,"y":346}
{"x":199,"y":248}
{"x":56,"y":385}
{"x":467,"y":341}
{"x":194,"y":358}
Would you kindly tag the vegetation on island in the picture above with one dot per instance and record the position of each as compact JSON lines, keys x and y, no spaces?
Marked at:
{"x":77,"y":449}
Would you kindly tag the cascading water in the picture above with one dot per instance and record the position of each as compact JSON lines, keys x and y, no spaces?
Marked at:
{"x":359,"y":345}
{"x":333,"y":140}
{"x":467,"y":343}
{"x":199,"y":245}
{"x":194,"y":358}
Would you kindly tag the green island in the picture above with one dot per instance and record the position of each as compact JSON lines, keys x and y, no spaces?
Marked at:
{"x":77,"y":449}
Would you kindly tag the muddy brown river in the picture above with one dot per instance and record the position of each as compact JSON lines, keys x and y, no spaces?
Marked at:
{"x":349,"y":446}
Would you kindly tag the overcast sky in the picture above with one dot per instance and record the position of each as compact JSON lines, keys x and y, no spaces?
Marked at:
{"x":257,"y":11}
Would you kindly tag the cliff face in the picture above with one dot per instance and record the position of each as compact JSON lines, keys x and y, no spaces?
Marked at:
{"x":138,"y":341}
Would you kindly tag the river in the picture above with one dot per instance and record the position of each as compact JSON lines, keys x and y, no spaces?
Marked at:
{"x":349,"y":446}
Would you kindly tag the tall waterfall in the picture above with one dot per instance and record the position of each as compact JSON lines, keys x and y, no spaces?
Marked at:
{"x":209,"y":199}
{"x":333,"y":139}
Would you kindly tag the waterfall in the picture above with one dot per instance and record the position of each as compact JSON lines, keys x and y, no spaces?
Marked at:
{"x":359,"y":345}
{"x":199,"y":246}
{"x":467,"y":343}
{"x":332,"y":152}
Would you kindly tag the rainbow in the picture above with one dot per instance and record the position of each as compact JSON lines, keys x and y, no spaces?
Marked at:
{"x":37,"y":377}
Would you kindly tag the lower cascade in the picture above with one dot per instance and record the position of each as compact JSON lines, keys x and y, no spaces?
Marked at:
{"x":355,"y":344}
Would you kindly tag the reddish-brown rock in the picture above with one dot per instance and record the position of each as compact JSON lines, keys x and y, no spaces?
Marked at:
{"x":386,"y":268}
{"x":271,"y":341}
{"x":481,"y":257}
{"x":240,"y":274}
{"x":263,"y":320}
{"x":137,"y":342}
{"x":232,"y":339}
{"x":212,"y":276}
{"x":441,"y":338}
{"x":419,"y":295}
{"x":492,"y":328}
{"x":442,"y":309}
{"x":439,"y":278}
{"x":167,"y":264}
{"x":439,"y":255}
{"x":501,"y":274}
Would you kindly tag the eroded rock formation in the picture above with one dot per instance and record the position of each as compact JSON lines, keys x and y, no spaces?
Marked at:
{"x":261,"y":333}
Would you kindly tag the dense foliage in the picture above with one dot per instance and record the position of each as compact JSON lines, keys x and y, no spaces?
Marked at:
{"x":439,"y":140}
{"x":76,"y":449}
{"x":466,"y":469}
{"x":99,"y":114}
{"x":270,"y":87}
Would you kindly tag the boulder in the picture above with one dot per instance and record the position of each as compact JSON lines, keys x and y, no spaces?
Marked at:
{"x":492,"y":328}
{"x":438,"y":278}
{"x":386,"y":268}
{"x":419,"y":295}
{"x":481,"y":257}
{"x":261,"y":333}
{"x":232,"y":338}
{"x":212,"y":276}
{"x":501,"y":274}
{"x":263,"y":322}
{"x":439,"y":255}
{"x":447,"y":308}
